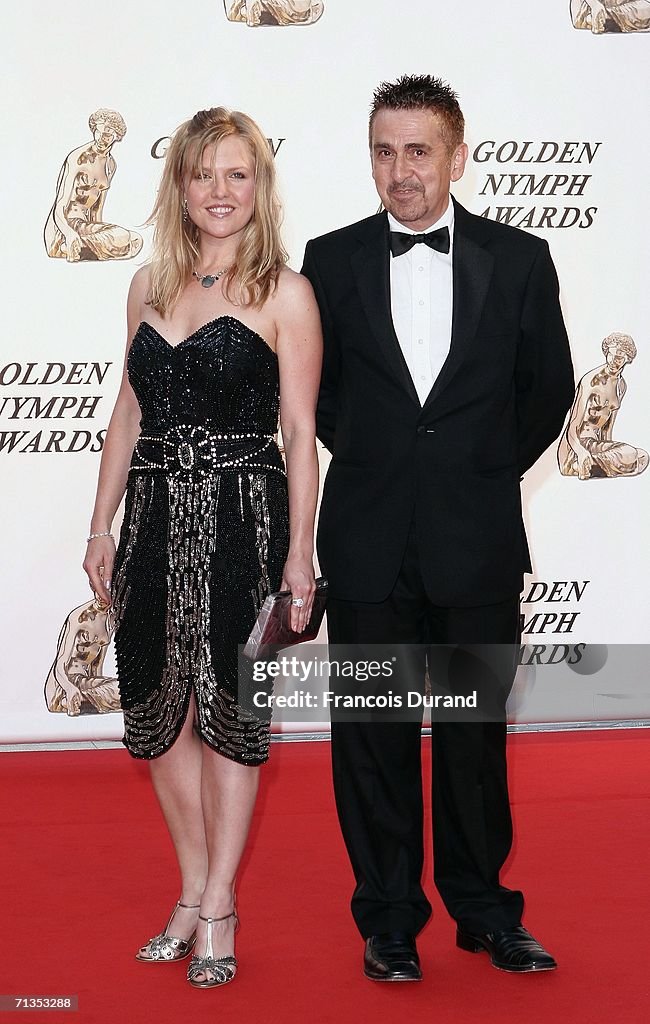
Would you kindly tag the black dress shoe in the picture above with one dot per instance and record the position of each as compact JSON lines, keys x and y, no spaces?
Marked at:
{"x":512,"y":950}
{"x":392,"y":956}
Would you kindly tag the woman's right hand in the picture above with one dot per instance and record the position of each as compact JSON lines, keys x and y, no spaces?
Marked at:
{"x":98,"y":566}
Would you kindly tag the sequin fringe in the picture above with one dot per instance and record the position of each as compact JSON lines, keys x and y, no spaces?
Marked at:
{"x":141,"y":489}
{"x":153,"y":724}
{"x":205,"y":535}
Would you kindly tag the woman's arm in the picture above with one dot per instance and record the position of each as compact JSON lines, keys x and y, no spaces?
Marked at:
{"x":122,"y":433}
{"x":300,"y":352}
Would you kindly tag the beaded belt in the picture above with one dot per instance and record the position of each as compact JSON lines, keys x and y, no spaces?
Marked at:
{"x":196,"y":449}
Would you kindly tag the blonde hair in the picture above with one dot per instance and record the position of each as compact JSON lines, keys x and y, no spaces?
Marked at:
{"x":260,"y":255}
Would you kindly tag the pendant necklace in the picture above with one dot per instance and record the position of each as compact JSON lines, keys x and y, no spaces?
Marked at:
{"x":207,"y":280}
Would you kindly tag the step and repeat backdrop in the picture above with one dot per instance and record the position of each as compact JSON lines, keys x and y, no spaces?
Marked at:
{"x":555,"y":99}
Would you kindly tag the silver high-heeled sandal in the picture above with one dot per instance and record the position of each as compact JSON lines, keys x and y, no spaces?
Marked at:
{"x":222,"y":968}
{"x":167,"y":948}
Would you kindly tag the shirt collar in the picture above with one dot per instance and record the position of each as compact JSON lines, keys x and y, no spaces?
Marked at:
{"x":447,"y":220}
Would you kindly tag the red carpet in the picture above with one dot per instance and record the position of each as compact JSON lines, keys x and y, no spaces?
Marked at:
{"x":88,"y":875}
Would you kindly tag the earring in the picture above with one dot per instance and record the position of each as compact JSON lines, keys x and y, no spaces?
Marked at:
{"x":186,"y":215}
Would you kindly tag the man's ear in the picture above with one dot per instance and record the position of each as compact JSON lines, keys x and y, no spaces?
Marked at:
{"x":458,"y":161}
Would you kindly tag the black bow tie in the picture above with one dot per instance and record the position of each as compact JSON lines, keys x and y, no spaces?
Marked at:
{"x":400,"y":242}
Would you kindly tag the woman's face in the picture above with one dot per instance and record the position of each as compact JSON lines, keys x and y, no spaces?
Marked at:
{"x":221,"y":196}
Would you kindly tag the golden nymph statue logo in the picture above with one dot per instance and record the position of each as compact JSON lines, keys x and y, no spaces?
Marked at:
{"x":76,"y":229}
{"x":76,"y":683}
{"x":273,"y":12}
{"x":601,"y":16}
{"x":587,"y":448}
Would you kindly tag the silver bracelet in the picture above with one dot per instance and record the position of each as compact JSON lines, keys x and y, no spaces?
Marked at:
{"x":105,"y":533}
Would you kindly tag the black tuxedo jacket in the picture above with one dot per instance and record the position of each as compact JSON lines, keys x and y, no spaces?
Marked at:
{"x":452,"y":466}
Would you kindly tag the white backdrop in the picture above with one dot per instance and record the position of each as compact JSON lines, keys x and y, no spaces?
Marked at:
{"x":524,"y":75}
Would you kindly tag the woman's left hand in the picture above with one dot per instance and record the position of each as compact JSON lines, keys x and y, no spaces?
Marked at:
{"x":298,"y":577}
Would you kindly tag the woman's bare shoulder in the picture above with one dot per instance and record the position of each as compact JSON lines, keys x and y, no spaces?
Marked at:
{"x":293,"y":288}
{"x":296,"y":314}
{"x":139,"y":290}
{"x":138,"y":297}
{"x":140,"y":282}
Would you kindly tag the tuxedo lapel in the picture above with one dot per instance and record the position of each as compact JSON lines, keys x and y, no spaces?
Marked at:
{"x":371,"y":269}
{"x":472,"y":270}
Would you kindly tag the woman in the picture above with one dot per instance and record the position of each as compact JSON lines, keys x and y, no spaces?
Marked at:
{"x":587,"y":448}
{"x":222,"y":335}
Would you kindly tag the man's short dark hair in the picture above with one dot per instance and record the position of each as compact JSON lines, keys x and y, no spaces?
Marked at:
{"x":422,"y":92}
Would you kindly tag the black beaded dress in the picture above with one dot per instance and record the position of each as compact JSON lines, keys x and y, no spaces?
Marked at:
{"x":204,"y":538}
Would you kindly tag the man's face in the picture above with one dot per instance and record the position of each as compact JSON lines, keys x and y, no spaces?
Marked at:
{"x":412,"y":165}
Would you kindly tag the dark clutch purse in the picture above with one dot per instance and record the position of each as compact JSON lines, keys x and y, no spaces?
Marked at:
{"x":272,"y":631}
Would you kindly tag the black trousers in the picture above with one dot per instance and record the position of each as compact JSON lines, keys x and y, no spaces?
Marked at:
{"x":378,"y":775}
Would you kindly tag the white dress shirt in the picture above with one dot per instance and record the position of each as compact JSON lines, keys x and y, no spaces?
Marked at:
{"x":421,"y":297}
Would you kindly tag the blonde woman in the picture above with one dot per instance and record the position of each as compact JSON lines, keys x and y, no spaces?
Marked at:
{"x":222,"y":338}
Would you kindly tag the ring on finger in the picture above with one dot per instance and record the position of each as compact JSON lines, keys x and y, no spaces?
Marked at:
{"x":297,"y":602}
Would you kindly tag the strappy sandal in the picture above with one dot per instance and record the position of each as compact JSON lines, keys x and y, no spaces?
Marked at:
{"x":222,"y":968}
{"x":167,"y":948}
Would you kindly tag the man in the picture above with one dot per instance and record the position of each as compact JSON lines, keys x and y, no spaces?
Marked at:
{"x":446,"y":375}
